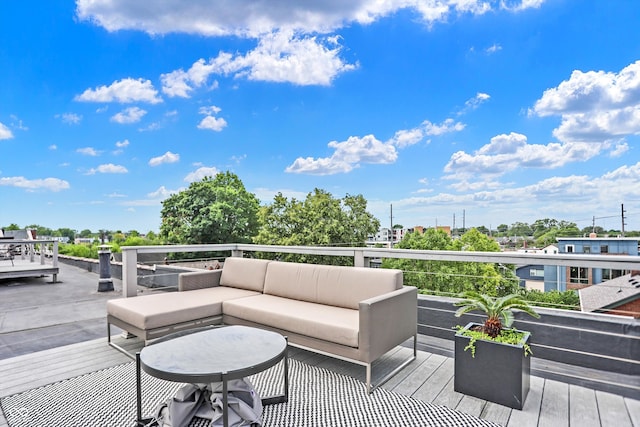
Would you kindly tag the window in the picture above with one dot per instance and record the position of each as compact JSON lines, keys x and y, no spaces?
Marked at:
{"x":608,"y":274}
{"x":570,"y":249}
{"x":579,"y":275}
{"x":535,"y":272}
{"x":604,"y":249}
{"x":586,"y":249}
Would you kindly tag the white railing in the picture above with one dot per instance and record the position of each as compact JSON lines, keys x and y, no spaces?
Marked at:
{"x":29,"y":248}
{"x":362,"y":257}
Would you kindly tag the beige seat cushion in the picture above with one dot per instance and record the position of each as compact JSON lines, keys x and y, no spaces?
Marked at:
{"x":332,"y":285}
{"x":333,"y":324}
{"x":161,"y":310}
{"x":244,"y":273}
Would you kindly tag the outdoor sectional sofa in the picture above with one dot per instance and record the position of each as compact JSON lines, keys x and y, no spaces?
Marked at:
{"x":353,"y":313}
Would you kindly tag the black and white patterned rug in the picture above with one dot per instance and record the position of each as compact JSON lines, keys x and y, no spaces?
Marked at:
{"x":317,"y":397}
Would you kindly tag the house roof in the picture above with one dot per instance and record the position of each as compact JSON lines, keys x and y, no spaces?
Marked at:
{"x":610,"y":294}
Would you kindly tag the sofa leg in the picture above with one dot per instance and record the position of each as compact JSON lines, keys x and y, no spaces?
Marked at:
{"x":371,"y":388}
{"x":116,"y":346}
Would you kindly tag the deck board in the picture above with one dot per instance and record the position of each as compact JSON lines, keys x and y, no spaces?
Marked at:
{"x":583,"y":410}
{"x":613,"y":411}
{"x":429,"y":378}
{"x":554,"y":411}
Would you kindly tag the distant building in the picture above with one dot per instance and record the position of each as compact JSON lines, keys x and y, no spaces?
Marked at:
{"x":563,"y":278}
{"x":532,"y":276}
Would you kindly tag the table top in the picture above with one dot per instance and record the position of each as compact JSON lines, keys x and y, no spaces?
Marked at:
{"x":204,"y":356}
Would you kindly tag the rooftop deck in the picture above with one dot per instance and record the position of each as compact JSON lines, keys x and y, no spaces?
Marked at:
{"x":54,"y":331}
{"x":26,"y":263}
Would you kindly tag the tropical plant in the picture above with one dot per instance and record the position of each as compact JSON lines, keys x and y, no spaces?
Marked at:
{"x":499,"y":310}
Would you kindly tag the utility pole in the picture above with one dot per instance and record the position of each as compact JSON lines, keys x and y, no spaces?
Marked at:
{"x":464,"y":221}
{"x":391,"y":228}
{"x":453,"y":230}
{"x":623,"y":218}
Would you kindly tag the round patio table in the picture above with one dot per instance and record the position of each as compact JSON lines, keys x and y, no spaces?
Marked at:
{"x":216,"y":354}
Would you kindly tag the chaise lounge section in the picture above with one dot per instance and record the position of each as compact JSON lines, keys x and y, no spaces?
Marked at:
{"x":352,"y":313}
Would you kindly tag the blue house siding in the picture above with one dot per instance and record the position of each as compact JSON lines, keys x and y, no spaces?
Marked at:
{"x":557,"y":278}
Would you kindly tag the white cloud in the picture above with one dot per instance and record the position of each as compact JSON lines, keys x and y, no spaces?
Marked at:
{"x":594,"y":106}
{"x":107,"y":168}
{"x":281,"y":56}
{"x":88,"y":151}
{"x":162,"y":193}
{"x":473,"y":103}
{"x":506,"y":153}
{"x":53,"y":147}
{"x":291,"y":46}
{"x":181,"y":83}
{"x":285,"y":57}
{"x":559,"y":196}
{"x":347,"y":155}
{"x":5,"y":132}
{"x":619,"y":149}
{"x":209,"y":111}
{"x":124,"y":91}
{"x":129,"y":115}
{"x":69,"y":118}
{"x":50,"y":184}
{"x":493,"y":48}
{"x":122,"y":144}
{"x":406,"y":137}
{"x":167,"y":157}
{"x":448,"y":126}
{"x":200,"y":173}
{"x":210,"y":122}
{"x":251,"y":18}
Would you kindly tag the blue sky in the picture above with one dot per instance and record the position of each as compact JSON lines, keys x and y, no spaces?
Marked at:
{"x":506,"y":111}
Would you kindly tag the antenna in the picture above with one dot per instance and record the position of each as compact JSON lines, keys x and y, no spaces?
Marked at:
{"x":623,"y":218}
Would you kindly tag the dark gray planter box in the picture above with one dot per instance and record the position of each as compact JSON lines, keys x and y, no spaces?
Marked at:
{"x":498,"y":373}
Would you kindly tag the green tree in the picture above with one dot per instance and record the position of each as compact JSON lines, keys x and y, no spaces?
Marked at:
{"x":449,"y":277}
{"x":40,"y":230}
{"x":320,"y":219}
{"x":503,"y":228}
{"x":562,"y":229}
{"x":213,"y":210}
{"x":66,"y":232}
{"x":424,"y":274}
{"x":13,"y":227}
{"x":86,"y":233}
{"x":520,"y":229}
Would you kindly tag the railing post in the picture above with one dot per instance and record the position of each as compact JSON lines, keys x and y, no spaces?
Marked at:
{"x":358,"y":258}
{"x":55,"y":253}
{"x":237,"y":253}
{"x":129,"y":272}
{"x":43,"y":248}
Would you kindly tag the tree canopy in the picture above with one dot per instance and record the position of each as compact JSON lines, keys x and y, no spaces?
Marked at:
{"x":320,"y":219}
{"x":213,"y":210}
{"x":450,"y":277}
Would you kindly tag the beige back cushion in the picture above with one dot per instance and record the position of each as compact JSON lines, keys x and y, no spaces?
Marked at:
{"x":244,"y":273}
{"x":331,"y":285}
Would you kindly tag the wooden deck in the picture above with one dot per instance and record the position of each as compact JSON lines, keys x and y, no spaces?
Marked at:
{"x":429,"y":378}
